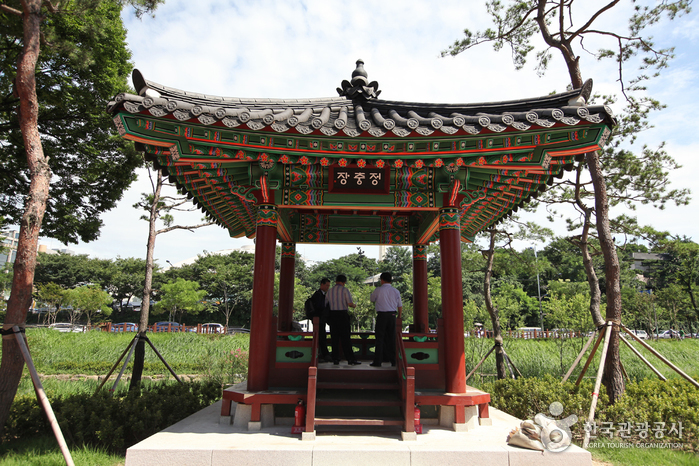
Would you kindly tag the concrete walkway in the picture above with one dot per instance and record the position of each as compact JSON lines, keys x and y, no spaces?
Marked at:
{"x":200,"y":440}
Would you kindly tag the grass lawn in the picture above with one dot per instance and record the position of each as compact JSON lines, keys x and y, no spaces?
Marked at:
{"x":643,"y":456}
{"x":44,"y":451}
{"x":58,"y":356}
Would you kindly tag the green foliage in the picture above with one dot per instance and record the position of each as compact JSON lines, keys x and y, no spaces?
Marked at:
{"x":536,"y":358}
{"x":399,"y":262}
{"x":113,"y":422}
{"x":68,"y":270}
{"x":648,"y":401}
{"x":227,"y":280}
{"x":180,"y":296}
{"x":514,"y":306}
{"x":90,"y":300}
{"x":95,"y":352}
{"x":356,"y":267}
{"x":82,"y":64}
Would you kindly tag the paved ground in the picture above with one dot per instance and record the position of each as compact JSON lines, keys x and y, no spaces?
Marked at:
{"x":200,"y":440}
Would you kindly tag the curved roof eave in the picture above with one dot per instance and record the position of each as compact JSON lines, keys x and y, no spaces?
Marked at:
{"x":364,"y":114}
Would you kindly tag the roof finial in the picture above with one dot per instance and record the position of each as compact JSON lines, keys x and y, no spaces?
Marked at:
{"x":360,"y":85}
{"x":359,"y":74}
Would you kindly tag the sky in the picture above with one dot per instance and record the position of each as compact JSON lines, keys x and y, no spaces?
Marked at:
{"x":304,"y":49}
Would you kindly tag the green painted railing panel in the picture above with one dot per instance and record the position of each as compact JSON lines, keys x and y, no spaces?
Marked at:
{"x":293,"y":354}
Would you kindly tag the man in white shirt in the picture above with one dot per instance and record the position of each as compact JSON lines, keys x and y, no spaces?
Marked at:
{"x":388,"y":306}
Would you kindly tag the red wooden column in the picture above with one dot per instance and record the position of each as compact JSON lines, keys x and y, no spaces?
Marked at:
{"x":420,"y":287}
{"x":262,"y":298}
{"x":286,"y":286}
{"x":452,"y":300}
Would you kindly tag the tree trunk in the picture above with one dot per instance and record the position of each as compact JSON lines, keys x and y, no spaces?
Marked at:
{"x":613,"y":377}
{"x":35,"y":206}
{"x":592,"y":280}
{"x":140,"y":351}
{"x":494,"y":313}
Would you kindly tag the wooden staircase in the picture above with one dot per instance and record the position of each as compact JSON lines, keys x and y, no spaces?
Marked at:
{"x":360,"y":395}
{"x":358,"y":400}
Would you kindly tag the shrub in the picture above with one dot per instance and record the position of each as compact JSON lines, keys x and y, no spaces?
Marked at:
{"x":647,"y":401}
{"x":112,"y":422}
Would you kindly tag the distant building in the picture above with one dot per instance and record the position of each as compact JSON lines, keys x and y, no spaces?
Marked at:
{"x":642,"y":260}
{"x":10,"y":240}
{"x":9,"y":254}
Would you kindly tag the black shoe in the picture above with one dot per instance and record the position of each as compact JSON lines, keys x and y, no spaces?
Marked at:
{"x":353,"y":363}
{"x":336,"y":363}
{"x":375,"y":364}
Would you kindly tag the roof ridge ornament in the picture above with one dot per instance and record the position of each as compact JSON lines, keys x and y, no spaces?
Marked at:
{"x":359,"y":87}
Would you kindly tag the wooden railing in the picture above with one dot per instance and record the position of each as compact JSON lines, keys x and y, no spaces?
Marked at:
{"x":527,"y":334}
{"x":406,"y":377}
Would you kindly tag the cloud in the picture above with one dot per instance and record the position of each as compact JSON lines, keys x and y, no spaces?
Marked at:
{"x":273,"y":49}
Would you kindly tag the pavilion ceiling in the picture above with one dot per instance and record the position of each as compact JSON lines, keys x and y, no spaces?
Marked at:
{"x":231,"y":154}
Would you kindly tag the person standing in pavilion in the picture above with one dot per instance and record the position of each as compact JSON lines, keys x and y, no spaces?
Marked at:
{"x":388,"y":306}
{"x":321,"y":309}
{"x":339,"y":299}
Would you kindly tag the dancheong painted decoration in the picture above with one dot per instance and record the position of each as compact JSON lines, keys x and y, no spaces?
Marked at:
{"x":355,"y":168}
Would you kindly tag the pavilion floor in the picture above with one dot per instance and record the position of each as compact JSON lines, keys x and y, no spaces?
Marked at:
{"x":203,"y":440}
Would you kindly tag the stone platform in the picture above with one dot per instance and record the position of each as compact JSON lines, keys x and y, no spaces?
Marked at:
{"x":202,"y":440}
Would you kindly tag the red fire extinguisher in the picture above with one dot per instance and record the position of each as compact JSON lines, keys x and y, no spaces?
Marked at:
{"x":418,"y":426}
{"x":299,"y":418}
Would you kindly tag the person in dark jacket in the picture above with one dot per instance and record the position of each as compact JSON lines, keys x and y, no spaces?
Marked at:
{"x":321,"y":309}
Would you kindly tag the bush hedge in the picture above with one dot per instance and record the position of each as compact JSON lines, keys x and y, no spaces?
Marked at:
{"x":647,"y":401}
{"x":112,"y":422}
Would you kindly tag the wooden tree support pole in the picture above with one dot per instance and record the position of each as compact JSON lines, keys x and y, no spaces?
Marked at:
{"x":479,"y":364}
{"x":43,"y":400}
{"x":163,"y":360}
{"x":624,"y":371}
{"x":126,"y":363}
{"x":589,"y":358}
{"x":577,"y":360}
{"x":640,"y":356}
{"x":598,"y":383}
{"x":114,"y":366}
{"x":661,"y":357}
{"x":509,"y":359}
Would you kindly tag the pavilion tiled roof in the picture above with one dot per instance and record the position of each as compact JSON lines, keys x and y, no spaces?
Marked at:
{"x":492,"y":157}
{"x":358,"y":111}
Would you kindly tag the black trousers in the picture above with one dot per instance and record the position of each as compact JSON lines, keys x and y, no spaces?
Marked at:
{"x":322,"y":337}
{"x":385,"y":333}
{"x":340,"y":335}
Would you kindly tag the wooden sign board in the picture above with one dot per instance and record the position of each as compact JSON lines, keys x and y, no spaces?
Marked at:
{"x":356,"y":180}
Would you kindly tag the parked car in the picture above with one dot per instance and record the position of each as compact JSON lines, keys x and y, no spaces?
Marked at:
{"x":667,"y":334}
{"x":212,"y":328}
{"x":234,"y":330}
{"x":167,"y":327}
{"x":640,"y":334}
{"x":66,"y":327}
{"x":124,"y":327}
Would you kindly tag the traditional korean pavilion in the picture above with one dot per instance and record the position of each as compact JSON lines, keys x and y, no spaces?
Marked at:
{"x":355,"y":169}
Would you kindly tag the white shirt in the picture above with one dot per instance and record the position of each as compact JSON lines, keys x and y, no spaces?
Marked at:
{"x":387,"y":298}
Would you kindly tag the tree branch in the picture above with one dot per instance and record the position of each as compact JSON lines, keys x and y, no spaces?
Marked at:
{"x":180,"y":227}
{"x":10,"y":10}
{"x":592,"y":19}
